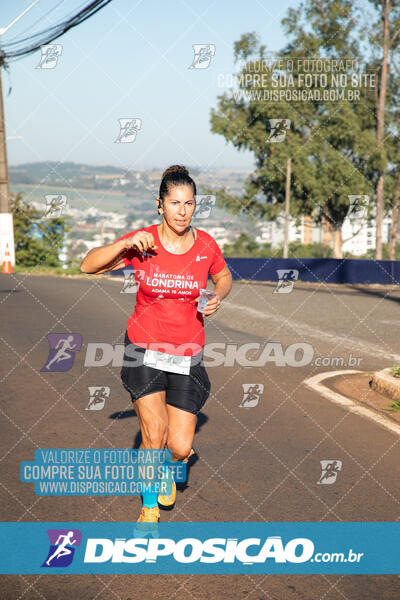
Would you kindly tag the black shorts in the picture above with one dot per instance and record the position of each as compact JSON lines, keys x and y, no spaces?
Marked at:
{"x":187,"y":392}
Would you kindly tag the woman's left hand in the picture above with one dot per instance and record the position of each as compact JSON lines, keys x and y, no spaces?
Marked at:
{"x":212,"y":306}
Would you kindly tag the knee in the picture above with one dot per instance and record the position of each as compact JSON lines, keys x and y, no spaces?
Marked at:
{"x":180,"y":449}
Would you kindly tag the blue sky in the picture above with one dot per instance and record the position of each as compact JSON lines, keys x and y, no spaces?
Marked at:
{"x":130,"y":60}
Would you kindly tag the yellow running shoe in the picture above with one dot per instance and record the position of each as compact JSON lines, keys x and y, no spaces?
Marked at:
{"x":147,"y":523}
{"x":149,"y":515}
{"x":168,"y":499}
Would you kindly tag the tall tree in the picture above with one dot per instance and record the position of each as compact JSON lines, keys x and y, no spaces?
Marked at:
{"x":384,"y":37}
{"x":329,"y":143}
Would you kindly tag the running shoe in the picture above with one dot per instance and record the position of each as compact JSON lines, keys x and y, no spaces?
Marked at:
{"x":149,"y":515}
{"x":168,"y":499}
{"x":147,"y":523}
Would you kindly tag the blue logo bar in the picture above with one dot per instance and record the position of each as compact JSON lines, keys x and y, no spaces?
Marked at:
{"x":200,"y":548}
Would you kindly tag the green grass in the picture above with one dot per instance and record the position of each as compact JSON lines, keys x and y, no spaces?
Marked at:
{"x":46,"y":270}
{"x":395,"y":370}
{"x":395,"y":406}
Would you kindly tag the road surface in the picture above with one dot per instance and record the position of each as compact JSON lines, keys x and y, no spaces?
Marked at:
{"x":257,"y":463}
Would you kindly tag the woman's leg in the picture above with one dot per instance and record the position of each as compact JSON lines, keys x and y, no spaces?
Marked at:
{"x":152,"y":413}
{"x":181,"y":428}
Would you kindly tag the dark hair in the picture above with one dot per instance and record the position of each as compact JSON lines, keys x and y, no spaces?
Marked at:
{"x":175,"y":175}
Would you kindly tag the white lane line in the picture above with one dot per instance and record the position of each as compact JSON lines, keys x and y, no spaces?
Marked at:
{"x":305,"y":329}
{"x":391,"y":323}
{"x":315,"y":384}
{"x":350,"y":343}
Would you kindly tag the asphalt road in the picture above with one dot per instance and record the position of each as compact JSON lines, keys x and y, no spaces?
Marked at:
{"x":258,"y":463}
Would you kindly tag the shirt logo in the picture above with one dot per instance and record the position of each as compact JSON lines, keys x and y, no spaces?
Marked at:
{"x":200,"y":258}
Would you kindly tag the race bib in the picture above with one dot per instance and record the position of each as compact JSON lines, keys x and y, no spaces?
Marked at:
{"x":167,"y":362}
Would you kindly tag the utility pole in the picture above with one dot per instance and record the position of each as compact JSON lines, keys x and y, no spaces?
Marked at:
{"x":6,"y":217}
{"x":287,"y":208}
{"x":380,"y":132}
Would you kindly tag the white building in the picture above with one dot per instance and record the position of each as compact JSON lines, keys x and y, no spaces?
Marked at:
{"x":359,"y":236}
{"x":220,"y":234}
{"x":273,"y":232}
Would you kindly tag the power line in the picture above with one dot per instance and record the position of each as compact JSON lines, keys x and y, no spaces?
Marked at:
{"x":13,"y":39}
{"x":23,"y":47}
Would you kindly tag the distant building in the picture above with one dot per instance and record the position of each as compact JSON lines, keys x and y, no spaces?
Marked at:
{"x":273,"y":232}
{"x":220,"y":234}
{"x":358,"y":236}
{"x":108,"y":176}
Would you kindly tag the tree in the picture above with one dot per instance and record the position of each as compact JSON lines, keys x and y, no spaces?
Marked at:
{"x":384,"y":36}
{"x":382,"y":29}
{"x":329,"y":143}
{"x":383,"y":32}
{"x":38,"y":241}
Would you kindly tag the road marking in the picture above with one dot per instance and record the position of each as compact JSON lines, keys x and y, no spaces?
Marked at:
{"x":315,"y":384}
{"x":352,"y":344}
{"x":391,"y":323}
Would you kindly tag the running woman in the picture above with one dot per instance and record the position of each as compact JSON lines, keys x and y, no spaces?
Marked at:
{"x":171,"y":262}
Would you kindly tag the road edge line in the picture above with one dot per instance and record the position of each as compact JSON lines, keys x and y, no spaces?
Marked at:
{"x":315,"y":383}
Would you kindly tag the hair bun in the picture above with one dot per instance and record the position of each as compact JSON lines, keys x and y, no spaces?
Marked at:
{"x":175,"y":169}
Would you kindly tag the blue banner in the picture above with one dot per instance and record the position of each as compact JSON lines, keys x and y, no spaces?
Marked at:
{"x":200,"y":548}
{"x":326,"y":270}
{"x":101,"y":472}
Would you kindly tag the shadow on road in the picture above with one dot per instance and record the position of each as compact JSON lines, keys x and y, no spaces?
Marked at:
{"x":378,"y":293}
{"x":201,"y":420}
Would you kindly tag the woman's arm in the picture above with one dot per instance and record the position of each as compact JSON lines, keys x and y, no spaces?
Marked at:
{"x":104,"y":258}
{"x":223,"y":285}
{"x":110,"y":257}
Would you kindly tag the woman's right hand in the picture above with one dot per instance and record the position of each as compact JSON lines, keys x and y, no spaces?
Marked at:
{"x":142,"y":241}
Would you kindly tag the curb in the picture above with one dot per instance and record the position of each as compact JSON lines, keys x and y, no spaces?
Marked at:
{"x":384,"y":383}
{"x":316,"y":383}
